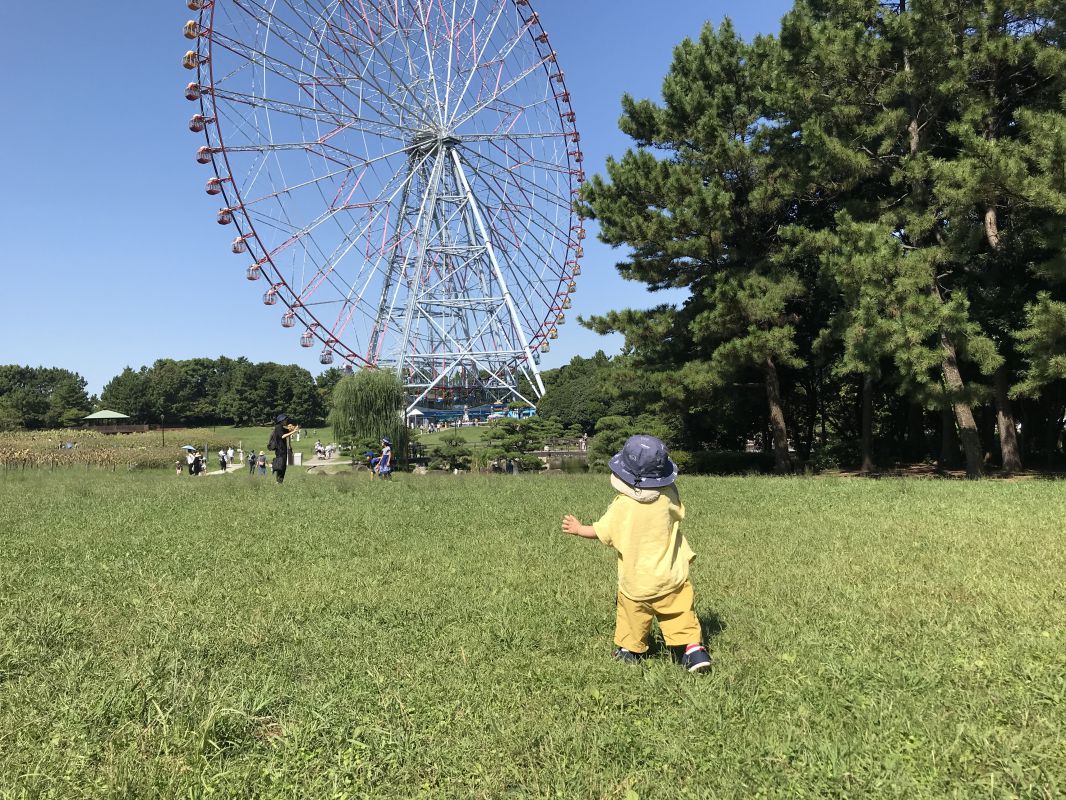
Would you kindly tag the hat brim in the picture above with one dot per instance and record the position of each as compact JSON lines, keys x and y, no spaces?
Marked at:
{"x":618,"y":467}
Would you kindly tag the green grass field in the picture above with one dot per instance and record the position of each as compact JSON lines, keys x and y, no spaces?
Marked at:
{"x":474,"y":434}
{"x":438,"y":637}
{"x":256,"y":438}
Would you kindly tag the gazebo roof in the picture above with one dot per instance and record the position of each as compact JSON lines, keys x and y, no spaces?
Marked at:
{"x":107,"y":415}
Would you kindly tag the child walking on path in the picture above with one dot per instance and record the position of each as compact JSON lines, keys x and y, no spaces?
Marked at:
{"x":643,"y":525}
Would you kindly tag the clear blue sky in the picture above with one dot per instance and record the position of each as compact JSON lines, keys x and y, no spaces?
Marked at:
{"x":111,"y":256}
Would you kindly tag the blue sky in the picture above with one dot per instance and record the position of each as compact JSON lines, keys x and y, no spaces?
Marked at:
{"x":111,"y":256}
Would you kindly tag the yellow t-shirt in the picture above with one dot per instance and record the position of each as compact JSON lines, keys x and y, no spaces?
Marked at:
{"x":653,"y":555}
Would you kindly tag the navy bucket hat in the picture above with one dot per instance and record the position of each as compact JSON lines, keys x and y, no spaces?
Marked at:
{"x":281,"y":418}
{"x":644,"y":463}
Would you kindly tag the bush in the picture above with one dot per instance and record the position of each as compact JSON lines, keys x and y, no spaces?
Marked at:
{"x":452,"y":453}
{"x":722,"y":462}
{"x":838,"y":454}
{"x":527,"y":463}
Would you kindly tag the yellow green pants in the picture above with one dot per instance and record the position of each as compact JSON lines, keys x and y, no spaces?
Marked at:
{"x":674,"y":611}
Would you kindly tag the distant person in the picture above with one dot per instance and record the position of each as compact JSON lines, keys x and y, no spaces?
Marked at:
{"x":261,"y":462}
{"x":197,"y":464}
{"x":384,"y":465}
{"x":229,"y":455}
{"x":251,"y":462}
{"x":222,"y":460}
{"x":190,"y":460}
{"x":177,"y":468}
{"x":279,"y":443}
{"x":643,"y":525}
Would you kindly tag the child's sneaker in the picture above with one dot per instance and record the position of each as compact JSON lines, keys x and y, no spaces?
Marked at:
{"x":626,"y":656}
{"x":695,"y":658}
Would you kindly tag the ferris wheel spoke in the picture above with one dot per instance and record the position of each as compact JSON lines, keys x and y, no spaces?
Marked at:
{"x":508,"y":115}
{"x":529,"y":161}
{"x":394,"y":98}
{"x":547,"y":258}
{"x":330,"y":263}
{"x":398,"y":38}
{"x":452,"y":35}
{"x":499,"y":7}
{"x":483,"y":103}
{"x":517,"y":178}
{"x":384,"y":129}
{"x":346,"y":169}
{"x":375,"y":40}
{"x":305,"y":81}
{"x":511,"y":135}
{"x":429,"y":57}
{"x":327,"y":153}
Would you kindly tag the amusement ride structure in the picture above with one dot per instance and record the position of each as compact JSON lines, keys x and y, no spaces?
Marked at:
{"x":400,"y":174}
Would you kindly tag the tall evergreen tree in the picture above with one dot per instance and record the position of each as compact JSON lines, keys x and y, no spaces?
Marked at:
{"x":699,"y":203}
{"x":127,"y":393}
{"x":1007,"y":74}
{"x":875,"y":97}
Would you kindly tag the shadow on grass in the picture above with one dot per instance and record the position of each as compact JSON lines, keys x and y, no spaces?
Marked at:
{"x":711,"y":624}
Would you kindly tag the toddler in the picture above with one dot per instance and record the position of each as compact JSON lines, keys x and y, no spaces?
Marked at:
{"x":643,"y":525}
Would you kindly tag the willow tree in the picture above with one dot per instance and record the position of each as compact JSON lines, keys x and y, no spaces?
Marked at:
{"x":367,"y":406}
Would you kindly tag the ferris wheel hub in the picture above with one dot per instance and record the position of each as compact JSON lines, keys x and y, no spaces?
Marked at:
{"x":427,"y":142}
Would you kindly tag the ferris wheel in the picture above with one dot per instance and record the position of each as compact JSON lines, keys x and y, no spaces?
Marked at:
{"x":401,"y":176}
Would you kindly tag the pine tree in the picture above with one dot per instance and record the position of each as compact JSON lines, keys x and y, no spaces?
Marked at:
{"x":700,"y":202}
{"x":875,"y":98}
{"x":1006,"y":73}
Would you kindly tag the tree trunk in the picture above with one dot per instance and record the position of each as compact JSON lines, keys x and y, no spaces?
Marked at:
{"x":971,"y":442}
{"x":948,"y":448}
{"x":1059,"y":431}
{"x":992,"y":228}
{"x":1008,"y":434}
{"x":812,"y":411}
{"x":867,"y":423}
{"x":777,"y":417}
{"x":915,"y":432}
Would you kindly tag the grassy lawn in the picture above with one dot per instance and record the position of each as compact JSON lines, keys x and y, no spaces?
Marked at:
{"x":473,"y":433}
{"x":256,"y":438}
{"x":439,"y":637}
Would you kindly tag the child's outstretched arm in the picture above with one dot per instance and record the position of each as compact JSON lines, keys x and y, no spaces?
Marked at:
{"x":573,"y":526}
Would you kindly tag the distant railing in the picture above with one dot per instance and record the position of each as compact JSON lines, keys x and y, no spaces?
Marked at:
{"x":132,"y":428}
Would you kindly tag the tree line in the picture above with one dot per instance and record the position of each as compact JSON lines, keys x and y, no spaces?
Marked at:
{"x":197,"y":391}
{"x":867,"y":214}
{"x":41,"y":397}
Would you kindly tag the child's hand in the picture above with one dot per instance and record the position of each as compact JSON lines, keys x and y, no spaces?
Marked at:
{"x":571,"y":524}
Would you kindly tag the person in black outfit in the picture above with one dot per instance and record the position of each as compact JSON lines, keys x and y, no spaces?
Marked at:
{"x":279,"y":443}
